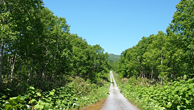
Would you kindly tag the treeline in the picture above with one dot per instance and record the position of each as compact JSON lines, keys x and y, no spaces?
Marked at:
{"x":36,"y":49}
{"x":164,"y":55}
{"x":113,"y":59}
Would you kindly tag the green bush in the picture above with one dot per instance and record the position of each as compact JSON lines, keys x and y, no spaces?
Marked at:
{"x":76,"y":94}
{"x":176,"y":96}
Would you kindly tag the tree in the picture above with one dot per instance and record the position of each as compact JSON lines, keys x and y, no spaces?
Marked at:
{"x":16,"y":19}
{"x":182,"y":22}
{"x":181,"y":30}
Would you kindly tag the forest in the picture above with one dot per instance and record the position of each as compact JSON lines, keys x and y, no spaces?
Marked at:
{"x":160,"y":68}
{"x":113,"y":57}
{"x":164,"y":55}
{"x":43,"y":65}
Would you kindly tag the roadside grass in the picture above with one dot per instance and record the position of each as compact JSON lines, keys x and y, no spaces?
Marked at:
{"x":95,"y":100}
{"x":75,"y":95}
{"x":102,"y":98}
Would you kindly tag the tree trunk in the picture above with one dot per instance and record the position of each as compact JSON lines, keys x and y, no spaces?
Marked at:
{"x":31,"y":69}
{"x":7,"y":66}
{"x":13,"y":65}
{"x":1,"y":59}
{"x":161,"y":63}
{"x":43,"y":70}
{"x":94,"y":68}
{"x":193,"y":64}
{"x":162,"y":68}
{"x":171,"y":75}
{"x":193,"y":68}
{"x":152,"y":73}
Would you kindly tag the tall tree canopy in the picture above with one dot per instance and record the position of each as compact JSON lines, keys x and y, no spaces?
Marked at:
{"x":164,"y":55}
{"x":37,"y":49}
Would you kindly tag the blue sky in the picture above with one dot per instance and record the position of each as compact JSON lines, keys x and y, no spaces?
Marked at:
{"x":115,"y":25}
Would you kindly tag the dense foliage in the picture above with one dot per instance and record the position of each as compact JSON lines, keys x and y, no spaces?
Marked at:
{"x":37,"y":51}
{"x":177,"y":95}
{"x":164,"y":55}
{"x":113,"y":59}
{"x":75,"y":95}
{"x":36,"y":47}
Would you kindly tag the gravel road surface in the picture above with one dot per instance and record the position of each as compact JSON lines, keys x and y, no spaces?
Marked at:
{"x":116,"y":101}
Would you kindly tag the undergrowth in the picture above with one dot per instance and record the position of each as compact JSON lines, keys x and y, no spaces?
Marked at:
{"x":177,"y":95}
{"x":76,"y":94}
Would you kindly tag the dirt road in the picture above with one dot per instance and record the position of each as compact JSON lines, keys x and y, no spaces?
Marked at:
{"x":116,"y":101}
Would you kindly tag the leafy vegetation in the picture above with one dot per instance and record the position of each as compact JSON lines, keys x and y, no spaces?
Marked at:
{"x":113,"y":58}
{"x":38,"y":58}
{"x":68,"y":97}
{"x":177,"y":95}
{"x":166,"y":58}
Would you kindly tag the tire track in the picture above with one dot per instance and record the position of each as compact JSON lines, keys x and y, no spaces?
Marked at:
{"x":116,"y":101}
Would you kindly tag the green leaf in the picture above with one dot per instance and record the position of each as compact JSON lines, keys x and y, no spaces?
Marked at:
{"x":38,"y":94}
{"x":32,"y":88}
{"x":32,"y":101}
{"x":14,"y":100}
{"x":193,"y":90}
{"x":8,"y":107}
{"x":39,"y":107}
{"x":4,"y":96}
{"x":51,"y":93}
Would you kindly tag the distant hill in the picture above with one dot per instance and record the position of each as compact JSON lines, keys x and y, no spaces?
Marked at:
{"x":113,"y":58}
